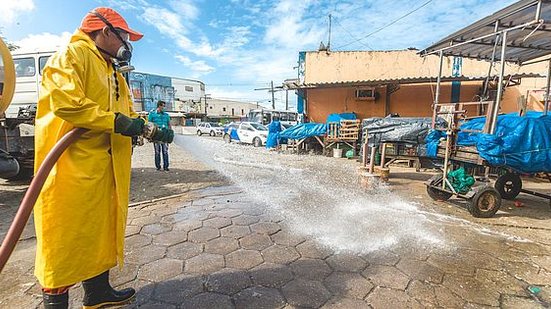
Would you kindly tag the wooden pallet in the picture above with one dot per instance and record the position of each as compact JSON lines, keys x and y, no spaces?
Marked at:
{"x":345,"y":130}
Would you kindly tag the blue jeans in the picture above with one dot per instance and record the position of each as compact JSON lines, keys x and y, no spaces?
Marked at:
{"x":161,"y":147}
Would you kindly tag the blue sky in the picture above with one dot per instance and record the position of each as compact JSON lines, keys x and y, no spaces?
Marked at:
{"x":235,"y":46}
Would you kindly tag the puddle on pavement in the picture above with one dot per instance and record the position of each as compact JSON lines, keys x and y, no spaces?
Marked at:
{"x":321,"y":197}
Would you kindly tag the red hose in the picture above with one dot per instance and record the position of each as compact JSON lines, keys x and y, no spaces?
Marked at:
{"x":26,"y":207}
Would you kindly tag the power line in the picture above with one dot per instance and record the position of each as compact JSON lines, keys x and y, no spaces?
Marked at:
{"x":387,"y":25}
{"x":352,"y":36}
{"x":237,"y":85}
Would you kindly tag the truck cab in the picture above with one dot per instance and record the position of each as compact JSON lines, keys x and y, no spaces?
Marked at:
{"x":28,"y":76}
{"x":17,"y":123}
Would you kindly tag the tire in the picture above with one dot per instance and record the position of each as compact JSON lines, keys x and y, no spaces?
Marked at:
{"x":227,"y":138}
{"x":508,"y":186}
{"x":212,"y":133}
{"x":25,"y":174}
{"x":485,"y":203}
{"x":436,"y":194}
{"x":199,"y":133}
{"x":257,"y":142}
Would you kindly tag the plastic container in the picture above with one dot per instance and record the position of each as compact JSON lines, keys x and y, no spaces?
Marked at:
{"x":337,"y":152}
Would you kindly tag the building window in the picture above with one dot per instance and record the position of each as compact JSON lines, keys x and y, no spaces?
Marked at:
{"x":232,"y":112}
{"x":223,"y":109}
{"x":242,"y":112}
{"x":367,"y":93}
{"x":202,"y":86}
{"x":189,"y":88}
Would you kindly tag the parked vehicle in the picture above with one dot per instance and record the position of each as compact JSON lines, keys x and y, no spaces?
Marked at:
{"x":210,"y":128}
{"x":265,"y":116}
{"x":17,"y":125}
{"x":246,"y":133}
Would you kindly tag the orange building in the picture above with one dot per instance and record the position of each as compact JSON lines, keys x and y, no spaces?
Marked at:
{"x":378,"y":83}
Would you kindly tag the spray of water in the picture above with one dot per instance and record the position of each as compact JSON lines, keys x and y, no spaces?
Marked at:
{"x":321,"y":197}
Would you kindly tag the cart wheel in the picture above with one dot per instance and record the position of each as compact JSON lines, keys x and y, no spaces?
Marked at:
{"x":508,"y":186}
{"x":436,"y":194}
{"x":485,"y":203}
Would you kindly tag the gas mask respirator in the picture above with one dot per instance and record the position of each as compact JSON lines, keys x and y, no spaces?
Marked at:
{"x":124,"y":54}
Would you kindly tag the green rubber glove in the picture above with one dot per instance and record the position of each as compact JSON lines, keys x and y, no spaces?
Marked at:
{"x":128,"y":126}
{"x":169,"y":136}
{"x":163,"y":136}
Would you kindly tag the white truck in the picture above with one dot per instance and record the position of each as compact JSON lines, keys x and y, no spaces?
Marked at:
{"x":17,"y":126}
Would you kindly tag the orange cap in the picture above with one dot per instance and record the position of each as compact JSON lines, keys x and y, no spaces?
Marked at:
{"x":91,"y":22}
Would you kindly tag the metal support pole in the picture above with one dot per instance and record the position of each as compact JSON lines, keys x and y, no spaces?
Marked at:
{"x":437,"y":95}
{"x":286,"y":99}
{"x":495,"y":109}
{"x":546,"y":104}
{"x":447,"y":156}
{"x":272,"y":91}
{"x":538,"y":11}
{"x":487,"y":81}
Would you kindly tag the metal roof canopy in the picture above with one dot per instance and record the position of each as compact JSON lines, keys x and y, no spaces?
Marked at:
{"x":523,"y":32}
{"x":407,"y":80}
{"x":525,"y":25}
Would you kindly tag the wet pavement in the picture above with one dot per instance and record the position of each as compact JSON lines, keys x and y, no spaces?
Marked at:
{"x":293,"y":231}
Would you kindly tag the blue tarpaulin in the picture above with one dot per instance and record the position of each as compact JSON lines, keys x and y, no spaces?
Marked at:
{"x":304,"y":130}
{"x":520,"y":143}
{"x":273,"y":134}
{"x":339,"y":117}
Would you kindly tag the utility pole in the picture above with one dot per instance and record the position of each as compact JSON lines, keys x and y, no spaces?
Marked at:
{"x":286,"y":99}
{"x":273,"y":92}
{"x":329,"y":40}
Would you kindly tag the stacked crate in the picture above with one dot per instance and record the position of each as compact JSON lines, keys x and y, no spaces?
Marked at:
{"x":349,"y":130}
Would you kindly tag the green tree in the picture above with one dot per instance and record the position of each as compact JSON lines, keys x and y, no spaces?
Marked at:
{"x":11,"y":46}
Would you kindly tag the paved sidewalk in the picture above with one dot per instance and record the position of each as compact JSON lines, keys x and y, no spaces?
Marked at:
{"x":216,"y":249}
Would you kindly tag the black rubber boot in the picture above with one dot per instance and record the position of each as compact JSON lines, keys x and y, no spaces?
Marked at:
{"x":55,"y":301}
{"x":99,"y":293}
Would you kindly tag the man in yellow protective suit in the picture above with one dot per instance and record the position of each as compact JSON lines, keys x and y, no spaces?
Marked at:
{"x":80,"y":215}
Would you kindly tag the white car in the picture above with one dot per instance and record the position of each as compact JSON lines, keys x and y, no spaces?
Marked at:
{"x":247,"y":133}
{"x":210,"y":128}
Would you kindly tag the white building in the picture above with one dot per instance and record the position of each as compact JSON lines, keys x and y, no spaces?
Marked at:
{"x":189,"y":95}
{"x":219,"y":107}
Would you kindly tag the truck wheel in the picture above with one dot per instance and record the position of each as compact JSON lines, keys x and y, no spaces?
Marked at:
{"x":24,"y":174}
{"x":257,"y":142}
{"x":436,"y":194}
{"x":508,"y":186}
{"x":212,"y":133}
{"x":199,"y":133}
{"x":485,"y":203}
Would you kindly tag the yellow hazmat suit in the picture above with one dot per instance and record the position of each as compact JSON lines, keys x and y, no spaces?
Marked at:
{"x":80,"y":215}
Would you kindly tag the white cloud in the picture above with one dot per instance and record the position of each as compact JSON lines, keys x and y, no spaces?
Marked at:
{"x":198,"y":67}
{"x":12,"y":8}
{"x":185,"y":8}
{"x":259,"y":40}
{"x":166,"y":21}
{"x":230,"y":94}
{"x":289,"y":28}
{"x":43,"y":42}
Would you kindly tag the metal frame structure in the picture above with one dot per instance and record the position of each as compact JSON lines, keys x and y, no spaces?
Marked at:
{"x":522,"y":32}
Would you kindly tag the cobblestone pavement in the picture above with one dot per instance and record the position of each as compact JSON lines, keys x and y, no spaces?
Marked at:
{"x":218,"y":248}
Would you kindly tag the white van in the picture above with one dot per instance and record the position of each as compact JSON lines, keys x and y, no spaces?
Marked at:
{"x":28,"y":73}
